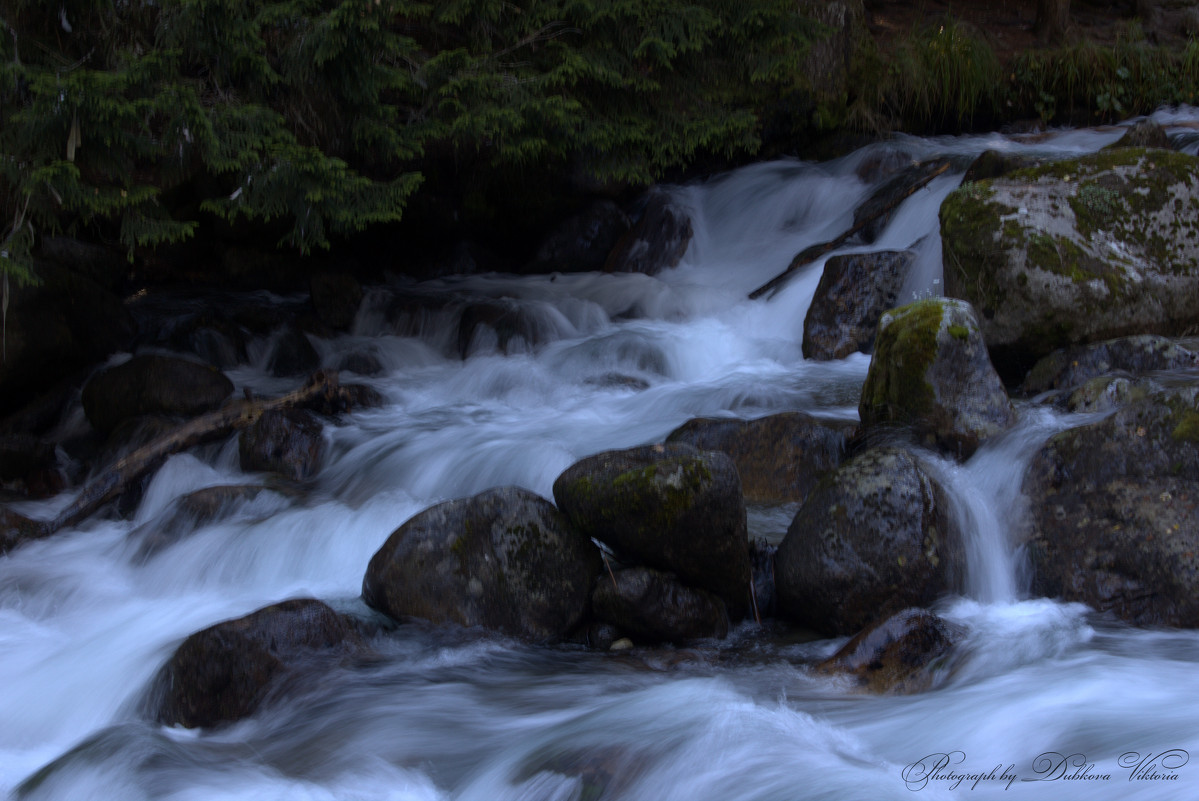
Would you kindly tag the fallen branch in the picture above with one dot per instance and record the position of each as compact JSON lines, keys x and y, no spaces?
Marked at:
{"x":322,"y":388}
{"x":810,"y":254}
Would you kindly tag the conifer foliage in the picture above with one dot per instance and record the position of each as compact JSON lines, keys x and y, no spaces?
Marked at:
{"x":130,"y":119}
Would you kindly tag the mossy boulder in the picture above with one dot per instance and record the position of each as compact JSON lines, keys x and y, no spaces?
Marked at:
{"x":147,"y":385}
{"x":1072,"y":367}
{"x":779,"y":458}
{"x":651,"y":607}
{"x":931,"y":372}
{"x":670,"y":507}
{"x":227,"y":671}
{"x":284,"y":441}
{"x":1076,"y":251}
{"x":854,"y":291}
{"x":505,"y":559}
{"x":901,"y":654}
{"x":1111,"y":518}
{"x":874,"y":537}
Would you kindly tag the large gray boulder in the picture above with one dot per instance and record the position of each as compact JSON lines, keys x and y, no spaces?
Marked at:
{"x":874,"y":537}
{"x":505,"y":559}
{"x":651,"y":607}
{"x":670,"y":507}
{"x":1111,"y":517}
{"x":147,"y":385}
{"x":1077,"y":251}
{"x":227,"y":671}
{"x":779,"y":457}
{"x":854,"y":291}
{"x":930,"y":372}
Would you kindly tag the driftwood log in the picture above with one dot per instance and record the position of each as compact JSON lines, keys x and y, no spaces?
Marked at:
{"x":322,"y":389}
{"x":813,"y":252}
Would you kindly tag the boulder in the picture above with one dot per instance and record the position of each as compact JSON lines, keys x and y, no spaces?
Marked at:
{"x":931,"y":372}
{"x":995,"y":164}
{"x":1105,"y":393}
{"x":225,"y":672}
{"x":1143,"y":133}
{"x":656,"y":242}
{"x":1076,"y":252}
{"x":1071,"y":367}
{"x":854,"y":291}
{"x":147,"y":385}
{"x":651,"y":607}
{"x":779,"y":458}
{"x":284,"y":441}
{"x":874,"y":537}
{"x":361,"y":362}
{"x":292,"y":354}
{"x":899,"y":655}
{"x":505,"y":559}
{"x":1111,"y":519}
{"x":582,"y":242}
{"x":335,"y":298}
{"x":875,"y":213}
{"x":55,"y":329}
{"x":670,"y":507}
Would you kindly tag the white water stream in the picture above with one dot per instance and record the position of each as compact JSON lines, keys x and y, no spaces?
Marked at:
{"x":85,"y":621}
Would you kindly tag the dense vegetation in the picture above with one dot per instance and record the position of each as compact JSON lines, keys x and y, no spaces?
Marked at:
{"x":133,"y":119}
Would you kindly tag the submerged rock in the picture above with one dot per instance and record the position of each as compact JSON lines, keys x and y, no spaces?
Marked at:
{"x":875,"y":536}
{"x":669,"y":507}
{"x":1111,"y":517}
{"x":1077,"y":251}
{"x":651,"y":607}
{"x":147,"y":385}
{"x":898,"y":655}
{"x":779,"y":457}
{"x":931,"y":372}
{"x":225,"y":672}
{"x":284,"y":441}
{"x":854,"y":291}
{"x":505,"y":559}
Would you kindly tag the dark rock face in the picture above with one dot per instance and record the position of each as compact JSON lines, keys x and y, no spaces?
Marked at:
{"x":669,"y":507}
{"x":225,"y":672}
{"x":147,"y":385}
{"x":63,"y":325}
{"x":283,"y":441}
{"x":875,"y":536}
{"x":505,"y":559}
{"x":894,"y":656}
{"x":657,"y":241}
{"x":1111,"y":512}
{"x":779,"y":458}
{"x":292,"y":354}
{"x":653,"y":607}
{"x":16,"y":529}
{"x":582,"y":243}
{"x":335,"y":297}
{"x":853,"y":293}
{"x":931,"y":371}
{"x":878,"y":209}
{"x":1072,"y":367}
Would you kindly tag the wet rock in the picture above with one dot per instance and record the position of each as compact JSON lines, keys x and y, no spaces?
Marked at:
{"x":779,"y":458}
{"x":1071,"y":367}
{"x":898,"y":655}
{"x":188,"y":513}
{"x":1108,"y":392}
{"x":651,"y":607}
{"x":227,"y":671}
{"x":582,"y":242}
{"x":878,"y":209}
{"x":669,"y":507}
{"x":335,"y":297}
{"x":1143,"y":133}
{"x":504,"y":325}
{"x":930,"y":371}
{"x":214,"y":339}
{"x":505,"y":559}
{"x":761,"y":561}
{"x":994,"y":164}
{"x":147,"y":385}
{"x":284,"y":441}
{"x":656,"y":242}
{"x":853,"y":293}
{"x":1111,"y":517}
{"x":54,"y":329}
{"x":16,"y":529}
{"x":874,"y":537}
{"x":361,"y":362}
{"x":23,"y":454}
{"x":292,"y":354}
{"x":1076,"y":251}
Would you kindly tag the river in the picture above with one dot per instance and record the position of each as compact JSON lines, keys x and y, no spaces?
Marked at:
{"x":87,"y":618}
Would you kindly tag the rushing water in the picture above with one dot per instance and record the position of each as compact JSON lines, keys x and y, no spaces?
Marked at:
{"x":87,"y":617}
